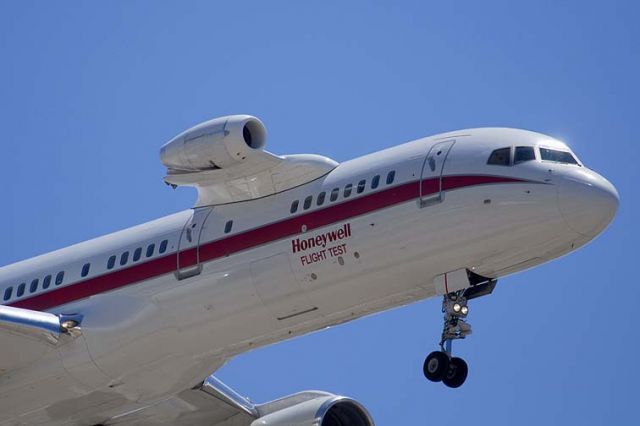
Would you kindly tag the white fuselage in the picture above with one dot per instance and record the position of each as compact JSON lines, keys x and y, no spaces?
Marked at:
{"x":156,"y":325}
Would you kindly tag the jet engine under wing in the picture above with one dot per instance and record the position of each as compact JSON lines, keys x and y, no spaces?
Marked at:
{"x":225,"y":161}
{"x":26,"y":335}
{"x":215,"y":404}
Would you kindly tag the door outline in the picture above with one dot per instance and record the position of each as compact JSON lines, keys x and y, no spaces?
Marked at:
{"x":435,"y":160}
{"x":195,"y":222}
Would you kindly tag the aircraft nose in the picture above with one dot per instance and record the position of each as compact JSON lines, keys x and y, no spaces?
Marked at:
{"x":588,"y":202}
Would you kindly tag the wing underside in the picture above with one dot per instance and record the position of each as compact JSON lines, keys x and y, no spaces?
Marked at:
{"x":210,"y":403}
{"x":27,"y":336}
{"x":30,"y":340}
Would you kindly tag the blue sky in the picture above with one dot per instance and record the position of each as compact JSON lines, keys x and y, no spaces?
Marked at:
{"x":89,"y":92}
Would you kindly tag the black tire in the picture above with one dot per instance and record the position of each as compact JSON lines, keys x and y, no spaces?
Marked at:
{"x":456,"y":373}
{"x":435,"y":366}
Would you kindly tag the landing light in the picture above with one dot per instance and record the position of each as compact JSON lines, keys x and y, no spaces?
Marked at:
{"x":457,"y":307}
{"x":69,"y":324}
{"x":464,"y":310}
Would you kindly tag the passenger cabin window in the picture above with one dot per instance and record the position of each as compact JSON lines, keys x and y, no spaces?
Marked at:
{"x":391,"y":176}
{"x":375,"y":181}
{"x":335,"y":192}
{"x":150,"y":249}
{"x":124,"y":258}
{"x":321,"y":197}
{"x":500,"y":157}
{"x":46,"y":282}
{"x":34,"y":286}
{"x":137,"y":254}
{"x":361,"y":185}
{"x":7,"y":293}
{"x":111,"y":262}
{"x":347,"y":190}
{"x":20,"y":291}
{"x":227,"y":228}
{"x":163,"y":246}
{"x":85,"y":269}
{"x":524,"y":153}
{"x":294,"y":206}
{"x":59,"y":277}
{"x":307,"y":202}
{"x":556,"y":156}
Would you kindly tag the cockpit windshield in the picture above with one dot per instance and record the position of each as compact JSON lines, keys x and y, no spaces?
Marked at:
{"x":524,"y":153}
{"x":511,"y":156}
{"x":556,"y":156}
{"x":502,"y":156}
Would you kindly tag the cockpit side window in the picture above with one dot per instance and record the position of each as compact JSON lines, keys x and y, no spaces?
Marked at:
{"x":524,"y":153}
{"x":556,"y":156}
{"x":500,"y":157}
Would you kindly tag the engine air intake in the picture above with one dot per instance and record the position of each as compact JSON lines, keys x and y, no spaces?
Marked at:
{"x":254,"y":134}
{"x":345,"y":413}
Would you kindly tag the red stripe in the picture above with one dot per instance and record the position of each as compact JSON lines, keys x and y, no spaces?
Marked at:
{"x":252,"y":238}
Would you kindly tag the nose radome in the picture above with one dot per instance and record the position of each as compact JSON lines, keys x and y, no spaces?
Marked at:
{"x":588,"y":202}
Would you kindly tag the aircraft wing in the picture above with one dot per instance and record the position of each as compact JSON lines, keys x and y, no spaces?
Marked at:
{"x":27,"y":336}
{"x":209,"y":403}
{"x":213,"y":403}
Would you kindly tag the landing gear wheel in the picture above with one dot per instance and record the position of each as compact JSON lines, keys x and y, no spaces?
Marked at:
{"x":436,"y":365}
{"x":456,"y":373}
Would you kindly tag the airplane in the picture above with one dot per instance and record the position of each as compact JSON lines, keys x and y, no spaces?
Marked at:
{"x":129,"y":328}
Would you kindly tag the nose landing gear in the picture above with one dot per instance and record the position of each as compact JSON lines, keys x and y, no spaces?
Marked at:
{"x":441,"y":365}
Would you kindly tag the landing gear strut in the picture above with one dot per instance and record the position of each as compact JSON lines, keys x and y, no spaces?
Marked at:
{"x":441,"y":365}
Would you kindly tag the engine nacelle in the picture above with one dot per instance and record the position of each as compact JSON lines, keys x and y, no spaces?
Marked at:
{"x":215,"y":144}
{"x":321,"y":409}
